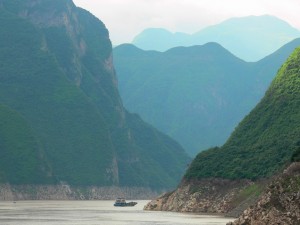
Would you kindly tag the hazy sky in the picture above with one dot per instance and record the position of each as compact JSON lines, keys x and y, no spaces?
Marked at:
{"x":126,"y":18}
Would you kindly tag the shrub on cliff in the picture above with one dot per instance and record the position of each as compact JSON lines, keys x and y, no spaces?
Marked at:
{"x":296,"y":155}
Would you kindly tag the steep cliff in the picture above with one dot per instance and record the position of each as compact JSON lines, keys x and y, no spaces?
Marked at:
{"x":58,"y":79}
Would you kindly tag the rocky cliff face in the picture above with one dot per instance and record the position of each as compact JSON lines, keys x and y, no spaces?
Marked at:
{"x":275,"y":202}
{"x":280,"y":203}
{"x":67,"y":192}
{"x":57,"y":77}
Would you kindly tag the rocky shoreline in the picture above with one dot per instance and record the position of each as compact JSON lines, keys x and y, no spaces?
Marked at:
{"x":66,"y":192}
{"x":219,"y":196}
{"x":280,"y":203}
{"x":274,"y":201}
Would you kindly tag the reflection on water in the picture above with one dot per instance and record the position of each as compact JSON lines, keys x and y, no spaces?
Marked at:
{"x":95,"y":213}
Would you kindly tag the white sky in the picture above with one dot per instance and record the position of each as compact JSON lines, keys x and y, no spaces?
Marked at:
{"x":127,"y":18}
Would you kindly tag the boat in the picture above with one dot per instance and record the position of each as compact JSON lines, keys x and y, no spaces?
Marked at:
{"x":122,"y":202}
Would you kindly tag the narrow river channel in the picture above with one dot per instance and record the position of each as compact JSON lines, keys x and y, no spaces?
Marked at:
{"x":95,"y":213}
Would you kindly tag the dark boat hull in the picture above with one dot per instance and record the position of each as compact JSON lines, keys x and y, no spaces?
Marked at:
{"x":125,"y":204}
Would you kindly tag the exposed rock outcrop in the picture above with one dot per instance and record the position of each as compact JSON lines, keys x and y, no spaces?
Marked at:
{"x":67,"y":192}
{"x":205,"y":196}
{"x":280,"y":204}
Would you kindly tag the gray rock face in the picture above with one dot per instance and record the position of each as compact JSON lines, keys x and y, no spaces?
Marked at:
{"x":280,"y":204}
{"x":67,"y":192}
{"x":205,"y":196}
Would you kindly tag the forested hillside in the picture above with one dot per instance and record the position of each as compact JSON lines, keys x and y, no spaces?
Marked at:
{"x":197,"y":94}
{"x":266,"y":140}
{"x":62,"y":119}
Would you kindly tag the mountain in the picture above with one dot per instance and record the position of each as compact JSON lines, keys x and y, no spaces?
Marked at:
{"x":62,"y":119}
{"x":265,"y":141}
{"x":160,"y":39}
{"x":249,"y":38}
{"x":197,"y":94}
{"x":248,"y":167}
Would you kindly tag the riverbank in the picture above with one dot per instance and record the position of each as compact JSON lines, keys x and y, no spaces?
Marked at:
{"x":280,"y":202}
{"x":221,"y":196}
{"x":66,"y":192}
{"x":269,"y":201}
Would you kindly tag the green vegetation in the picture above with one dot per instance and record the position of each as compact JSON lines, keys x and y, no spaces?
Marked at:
{"x":252,"y":191}
{"x":296,"y":155}
{"x":20,"y":159}
{"x":191,"y":93}
{"x":61,"y":116}
{"x":266,"y":139}
{"x":67,"y":126}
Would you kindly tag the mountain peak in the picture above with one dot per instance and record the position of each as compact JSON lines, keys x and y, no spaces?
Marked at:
{"x":210,"y":50}
{"x":266,"y":22}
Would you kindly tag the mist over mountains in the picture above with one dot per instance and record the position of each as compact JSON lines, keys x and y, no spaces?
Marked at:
{"x":249,"y":38}
{"x":197,"y":94}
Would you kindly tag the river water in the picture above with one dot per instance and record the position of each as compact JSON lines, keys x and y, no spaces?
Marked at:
{"x":95,"y":213}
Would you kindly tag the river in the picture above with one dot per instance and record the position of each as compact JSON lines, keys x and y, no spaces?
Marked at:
{"x":95,"y":213}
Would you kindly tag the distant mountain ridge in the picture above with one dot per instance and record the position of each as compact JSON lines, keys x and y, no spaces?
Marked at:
{"x":62,"y":119}
{"x":195,"y":94}
{"x":249,"y":38}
